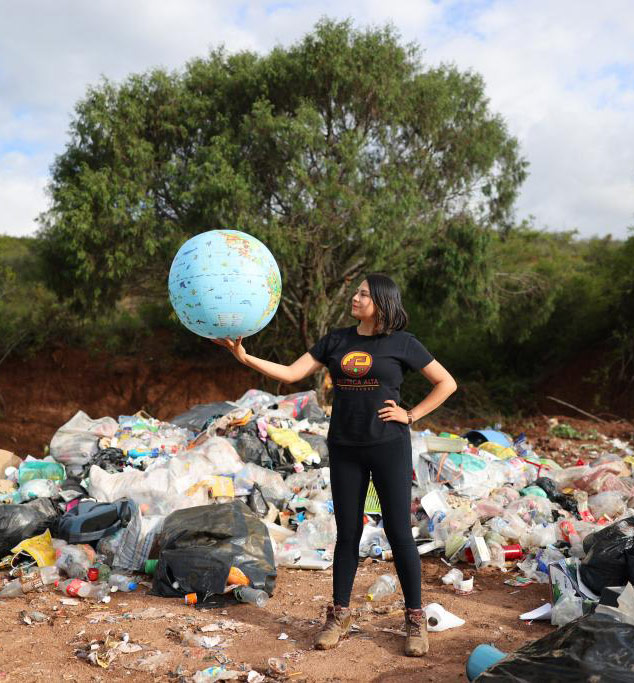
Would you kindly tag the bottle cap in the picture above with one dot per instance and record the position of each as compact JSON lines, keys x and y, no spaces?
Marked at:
{"x":191,"y":599}
{"x":133,"y":585}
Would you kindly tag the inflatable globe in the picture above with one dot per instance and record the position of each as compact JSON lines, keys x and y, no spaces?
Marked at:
{"x":224,"y":283}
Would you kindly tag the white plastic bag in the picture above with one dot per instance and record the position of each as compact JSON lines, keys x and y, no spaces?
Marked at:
{"x":75,"y":443}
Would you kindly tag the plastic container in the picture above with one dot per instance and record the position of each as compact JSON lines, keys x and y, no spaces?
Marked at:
{"x":30,"y":582}
{"x":482,"y":658}
{"x":385,"y":585}
{"x":253,"y":596}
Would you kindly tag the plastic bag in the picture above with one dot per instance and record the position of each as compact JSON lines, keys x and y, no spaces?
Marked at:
{"x":255,"y":400}
{"x":169,"y":484}
{"x":607,"y":504}
{"x":609,"y":559}
{"x":39,"y":488}
{"x":75,"y":442}
{"x":19,"y":522}
{"x":199,"y":416}
{"x":272,"y":485}
{"x":130,"y":547}
{"x":199,"y":545}
{"x":593,"y":648}
{"x":566,"y":609}
{"x":303,"y":405}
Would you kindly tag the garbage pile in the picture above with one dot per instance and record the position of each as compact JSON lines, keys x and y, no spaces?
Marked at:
{"x":213,"y":500}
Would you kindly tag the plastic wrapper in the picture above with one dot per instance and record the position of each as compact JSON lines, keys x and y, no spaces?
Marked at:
{"x":20,"y":522}
{"x":609,"y":559}
{"x":199,"y":545}
{"x":74,"y":443}
{"x":595,"y":648}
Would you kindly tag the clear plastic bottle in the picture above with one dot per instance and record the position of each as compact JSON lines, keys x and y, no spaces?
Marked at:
{"x":385,"y":585}
{"x":251,"y":595}
{"x":122,"y":582}
{"x":30,"y":582}
{"x":83,"y":589}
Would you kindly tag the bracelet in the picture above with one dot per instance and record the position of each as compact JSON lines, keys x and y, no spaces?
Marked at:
{"x":410,"y":418}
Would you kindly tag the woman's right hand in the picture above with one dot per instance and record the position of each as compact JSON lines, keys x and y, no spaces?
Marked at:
{"x":235,"y":347}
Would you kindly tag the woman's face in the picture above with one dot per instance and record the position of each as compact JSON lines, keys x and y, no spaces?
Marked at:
{"x":362,"y":305}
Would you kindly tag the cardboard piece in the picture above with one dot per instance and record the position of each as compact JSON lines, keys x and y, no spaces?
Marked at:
{"x":8,"y":459}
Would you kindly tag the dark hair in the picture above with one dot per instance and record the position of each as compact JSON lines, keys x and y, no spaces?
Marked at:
{"x":390,"y":314}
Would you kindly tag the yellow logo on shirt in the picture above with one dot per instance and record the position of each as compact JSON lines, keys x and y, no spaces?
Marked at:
{"x":356,"y":363}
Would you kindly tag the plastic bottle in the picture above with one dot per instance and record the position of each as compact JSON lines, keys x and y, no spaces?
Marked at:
{"x":385,"y":585}
{"x":251,"y":595}
{"x":83,"y":589}
{"x":122,"y":583}
{"x":30,"y":582}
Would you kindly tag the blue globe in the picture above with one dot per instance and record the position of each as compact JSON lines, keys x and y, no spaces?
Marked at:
{"x":224,"y":283}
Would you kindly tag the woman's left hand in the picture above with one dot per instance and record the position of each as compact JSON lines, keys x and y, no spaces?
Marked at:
{"x":393,"y":413}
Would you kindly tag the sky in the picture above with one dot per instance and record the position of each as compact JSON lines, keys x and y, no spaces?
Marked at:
{"x":560,"y":72}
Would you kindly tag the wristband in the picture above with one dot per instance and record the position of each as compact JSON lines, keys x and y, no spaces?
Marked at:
{"x":410,"y":418}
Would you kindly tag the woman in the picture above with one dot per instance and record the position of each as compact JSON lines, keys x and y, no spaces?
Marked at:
{"x":369,"y":435}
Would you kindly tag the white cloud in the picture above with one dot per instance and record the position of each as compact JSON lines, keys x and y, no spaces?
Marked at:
{"x":22,"y":195}
{"x":561,"y":74}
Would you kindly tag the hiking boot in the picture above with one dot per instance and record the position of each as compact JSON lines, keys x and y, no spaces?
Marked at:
{"x":416,"y":642}
{"x":335,"y":629}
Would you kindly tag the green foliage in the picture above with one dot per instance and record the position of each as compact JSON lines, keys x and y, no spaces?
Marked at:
{"x":565,"y":431}
{"x":343,"y":153}
{"x":29,"y":312}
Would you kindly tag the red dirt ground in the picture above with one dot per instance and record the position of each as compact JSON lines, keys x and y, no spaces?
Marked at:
{"x":40,"y":394}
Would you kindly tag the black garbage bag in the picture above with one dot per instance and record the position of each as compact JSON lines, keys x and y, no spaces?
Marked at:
{"x":595,"y":648}
{"x":199,"y":416}
{"x":251,"y":448}
{"x":22,"y":521}
{"x":550,"y":488}
{"x":609,"y":559}
{"x":199,"y":545}
{"x":265,"y":454}
{"x":257,"y":502}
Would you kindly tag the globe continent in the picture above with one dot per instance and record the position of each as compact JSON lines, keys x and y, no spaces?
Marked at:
{"x":224,"y":283}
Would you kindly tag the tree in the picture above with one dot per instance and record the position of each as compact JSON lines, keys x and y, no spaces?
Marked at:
{"x":344,"y":153}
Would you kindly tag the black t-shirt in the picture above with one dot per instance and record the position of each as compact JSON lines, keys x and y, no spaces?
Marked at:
{"x":366,"y":371}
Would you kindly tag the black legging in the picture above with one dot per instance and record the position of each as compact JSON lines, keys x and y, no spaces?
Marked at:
{"x":391,"y":467}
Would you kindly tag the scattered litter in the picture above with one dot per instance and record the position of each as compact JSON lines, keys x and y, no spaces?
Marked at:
{"x":283,"y":636}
